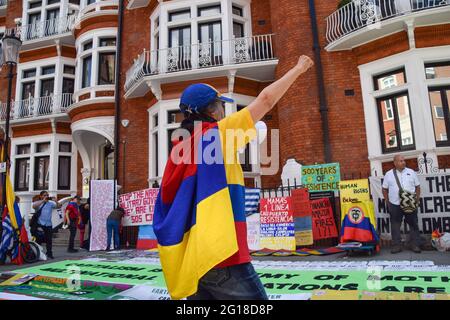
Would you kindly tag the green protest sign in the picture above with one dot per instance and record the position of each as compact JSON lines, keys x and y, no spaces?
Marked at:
{"x":109,"y":272}
{"x":321,"y":177}
{"x":297,"y":281}
{"x":275,"y":281}
{"x":64,"y":289}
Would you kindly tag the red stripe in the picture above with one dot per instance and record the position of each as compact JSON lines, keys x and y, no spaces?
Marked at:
{"x":145,"y":244}
{"x":356,"y":234}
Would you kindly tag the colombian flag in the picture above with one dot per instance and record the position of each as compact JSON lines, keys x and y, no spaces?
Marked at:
{"x":358,"y":223}
{"x":199,"y":217}
{"x":12,"y":225}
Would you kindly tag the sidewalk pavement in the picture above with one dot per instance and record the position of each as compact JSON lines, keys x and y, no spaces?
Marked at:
{"x":439,"y":258}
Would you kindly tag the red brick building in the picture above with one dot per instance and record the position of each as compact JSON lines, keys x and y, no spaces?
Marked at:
{"x":383,"y":85}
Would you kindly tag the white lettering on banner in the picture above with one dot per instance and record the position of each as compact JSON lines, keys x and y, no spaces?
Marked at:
{"x":433,"y":211}
{"x":138,"y":206}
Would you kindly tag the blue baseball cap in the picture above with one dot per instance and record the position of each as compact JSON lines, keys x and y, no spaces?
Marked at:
{"x":198,"y":96}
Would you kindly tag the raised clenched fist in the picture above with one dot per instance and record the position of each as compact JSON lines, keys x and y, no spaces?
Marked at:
{"x":304,"y":63}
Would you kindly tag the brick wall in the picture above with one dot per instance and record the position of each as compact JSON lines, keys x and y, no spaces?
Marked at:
{"x":133,"y":165}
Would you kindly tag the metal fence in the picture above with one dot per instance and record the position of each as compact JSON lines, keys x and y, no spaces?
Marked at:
{"x":200,"y":55}
{"x":361,"y":13}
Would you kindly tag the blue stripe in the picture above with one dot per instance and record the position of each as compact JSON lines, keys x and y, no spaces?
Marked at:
{"x":303,"y":223}
{"x":237,"y":194}
{"x":146,"y":232}
{"x":172,"y":221}
{"x":211,"y":171}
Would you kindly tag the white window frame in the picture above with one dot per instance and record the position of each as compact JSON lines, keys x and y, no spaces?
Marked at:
{"x":162,"y":108}
{"x":63,"y":7}
{"x":390,"y":109}
{"x":58,"y":62}
{"x":226,"y":17}
{"x":417,"y":87}
{"x":53,"y":153}
{"x":58,"y":76}
{"x":94,"y":36}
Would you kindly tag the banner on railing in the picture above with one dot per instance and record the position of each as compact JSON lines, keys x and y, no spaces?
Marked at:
{"x":138,"y":206}
{"x":324,"y":226}
{"x":321,"y":177}
{"x":301,"y":207}
{"x":434,"y":208}
{"x":277,"y":224}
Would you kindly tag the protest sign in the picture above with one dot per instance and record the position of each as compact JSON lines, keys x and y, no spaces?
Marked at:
{"x":275,"y":280}
{"x":277,"y":224}
{"x":323,"y":222}
{"x":301,"y":206}
{"x":102,"y":203}
{"x":138,"y":206}
{"x":434,"y":206}
{"x":354,"y":190}
{"x":321,"y":177}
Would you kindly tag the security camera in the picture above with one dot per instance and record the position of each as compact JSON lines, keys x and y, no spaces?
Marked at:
{"x":18,"y":21}
{"x":125,"y":123}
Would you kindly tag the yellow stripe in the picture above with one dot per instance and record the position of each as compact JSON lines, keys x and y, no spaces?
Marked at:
{"x":209,"y":242}
{"x":241,"y":131}
{"x":10,"y":199}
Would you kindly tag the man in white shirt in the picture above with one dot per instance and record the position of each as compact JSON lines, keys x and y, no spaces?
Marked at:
{"x":410,"y":182}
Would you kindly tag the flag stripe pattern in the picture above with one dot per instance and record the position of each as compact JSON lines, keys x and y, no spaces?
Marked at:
{"x":199,"y":217}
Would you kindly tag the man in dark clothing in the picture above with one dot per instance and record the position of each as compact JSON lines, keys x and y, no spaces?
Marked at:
{"x":85,"y":221}
{"x":113,"y":224}
{"x":73,"y":218}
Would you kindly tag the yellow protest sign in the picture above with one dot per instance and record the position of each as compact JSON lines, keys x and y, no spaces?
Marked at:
{"x":354,"y":190}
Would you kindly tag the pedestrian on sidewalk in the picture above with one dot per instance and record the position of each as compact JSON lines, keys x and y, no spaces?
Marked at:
{"x":407,"y":179}
{"x":44,"y":209}
{"x":113,"y":224}
{"x":72,"y":218}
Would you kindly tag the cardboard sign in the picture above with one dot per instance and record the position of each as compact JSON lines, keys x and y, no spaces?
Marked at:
{"x":322,"y":177}
{"x":277,"y":224}
{"x":139,"y":207}
{"x":323,"y":222}
{"x":354,"y":190}
{"x":300,"y":202}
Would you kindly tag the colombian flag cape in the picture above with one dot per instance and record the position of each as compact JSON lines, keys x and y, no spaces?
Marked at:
{"x":193,"y":218}
{"x":359,"y":223}
{"x":12,"y":223}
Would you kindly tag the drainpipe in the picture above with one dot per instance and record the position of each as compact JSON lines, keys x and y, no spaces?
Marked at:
{"x":320,"y":83}
{"x":117,"y":98}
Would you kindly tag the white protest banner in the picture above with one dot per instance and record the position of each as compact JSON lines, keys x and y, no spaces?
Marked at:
{"x":434,"y":208}
{"x":138,"y":206}
{"x":102,"y":203}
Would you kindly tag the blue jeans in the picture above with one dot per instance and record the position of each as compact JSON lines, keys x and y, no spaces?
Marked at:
{"x":238,"y":282}
{"x":112,"y":225}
